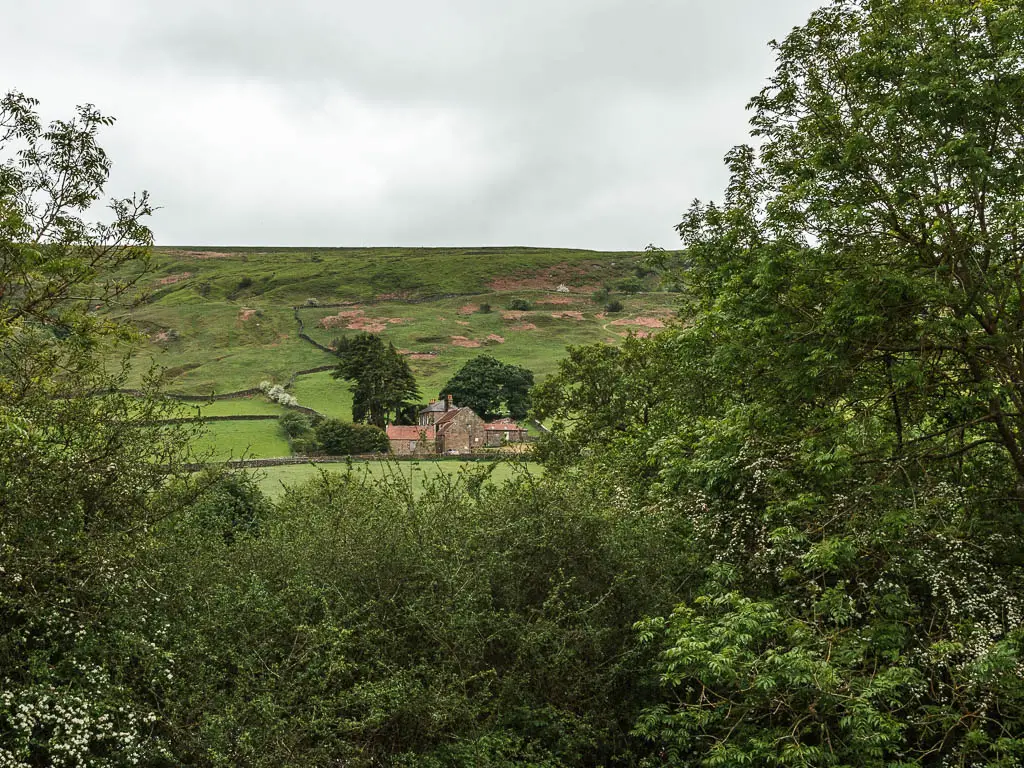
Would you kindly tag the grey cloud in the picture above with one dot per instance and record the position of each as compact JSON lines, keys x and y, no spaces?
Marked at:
{"x":588,"y":123}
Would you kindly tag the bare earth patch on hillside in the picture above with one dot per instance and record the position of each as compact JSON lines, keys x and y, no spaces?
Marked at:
{"x":172,"y":279}
{"x":462,"y":341}
{"x":467,"y":309}
{"x":422,"y":355}
{"x":514,"y":314}
{"x":547,"y":279}
{"x":643,"y":322}
{"x":524,"y":327}
{"x":556,"y":301}
{"x":353,"y":320}
{"x":462,"y":322}
{"x":496,"y":338}
{"x":342,"y":318}
{"x":567,"y":315}
{"x":246,"y":314}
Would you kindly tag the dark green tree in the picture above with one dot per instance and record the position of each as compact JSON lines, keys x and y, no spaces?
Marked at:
{"x":81,"y":465}
{"x":488,"y":386}
{"x":381,"y":383}
{"x":336,"y":438}
{"x":849,"y":424}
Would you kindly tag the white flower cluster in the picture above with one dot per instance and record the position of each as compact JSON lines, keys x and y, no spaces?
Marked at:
{"x":70,"y":727}
{"x":277,"y":393}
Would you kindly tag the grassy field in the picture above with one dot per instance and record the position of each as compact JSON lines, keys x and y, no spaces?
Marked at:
{"x":274,"y":480}
{"x":225,"y":440}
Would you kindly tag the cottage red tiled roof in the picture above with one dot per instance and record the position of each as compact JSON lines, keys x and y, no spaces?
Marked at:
{"x":503,"y":426}
{"x":396,"y":432}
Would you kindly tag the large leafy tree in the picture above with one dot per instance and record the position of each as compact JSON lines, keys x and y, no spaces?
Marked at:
{"x":80,"y":464}
{"x":381,"y":382}
{"x":489,"y":386}
{"x":854,"y":462}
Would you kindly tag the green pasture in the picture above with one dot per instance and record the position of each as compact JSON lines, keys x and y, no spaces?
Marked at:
{"x":275,"y":480}
{"x":324,"y":394}
{"x":224,"y":440}
{"x":255,"y":405}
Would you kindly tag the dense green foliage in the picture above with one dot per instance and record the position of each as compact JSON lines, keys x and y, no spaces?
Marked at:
{"x":842,"y":412}
{"x":78,"y":473}
{"x":337,"y":438}
{"x":491,"y":387}
{"x":786,"y":532}
{"x":382,"y":384}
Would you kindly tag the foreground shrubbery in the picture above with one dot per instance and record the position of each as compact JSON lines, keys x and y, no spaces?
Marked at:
{"x":360,"y":626}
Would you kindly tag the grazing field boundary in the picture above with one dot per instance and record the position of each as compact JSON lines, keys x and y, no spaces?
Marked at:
{"x":297,"y":460}
{"x":233,"y":417}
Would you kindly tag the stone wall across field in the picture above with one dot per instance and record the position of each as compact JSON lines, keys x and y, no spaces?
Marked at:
{"x":285,"y":461}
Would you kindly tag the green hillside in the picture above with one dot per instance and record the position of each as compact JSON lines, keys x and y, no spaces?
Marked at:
{"x":221,"y":320}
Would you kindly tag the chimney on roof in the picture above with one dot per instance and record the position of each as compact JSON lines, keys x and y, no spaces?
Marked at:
{"x":448,"y":403}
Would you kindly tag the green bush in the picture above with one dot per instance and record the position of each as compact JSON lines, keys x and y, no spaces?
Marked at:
{"x":368,"y":627}
{"x":295,"y":424}
{"x":485,"y":309}
{"x":630,"y":285}
{"x":339,"y":438}
{"x":520,"y":305}
{"x":613,"y":306}
{"x":600,"y":296}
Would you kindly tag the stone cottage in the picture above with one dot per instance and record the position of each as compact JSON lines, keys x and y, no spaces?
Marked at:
{"x":503,"y":432}
{"x":412,"y":441}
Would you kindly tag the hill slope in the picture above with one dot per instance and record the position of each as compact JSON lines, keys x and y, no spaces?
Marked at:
{"x":221,"y":320}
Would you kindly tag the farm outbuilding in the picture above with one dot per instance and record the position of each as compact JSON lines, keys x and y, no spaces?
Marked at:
{"x":412,"y":441}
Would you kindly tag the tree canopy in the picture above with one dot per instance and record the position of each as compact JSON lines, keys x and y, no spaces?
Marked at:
{"x":382,"y":384}
{"x":489,"y":386}
{"x":842,"y":418}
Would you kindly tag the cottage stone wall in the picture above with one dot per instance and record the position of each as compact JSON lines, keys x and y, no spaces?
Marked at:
{"x":463,"y":433}
{"x":423,"y":445}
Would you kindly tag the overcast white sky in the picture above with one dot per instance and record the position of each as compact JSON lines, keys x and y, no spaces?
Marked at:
{"x":578,"y":123}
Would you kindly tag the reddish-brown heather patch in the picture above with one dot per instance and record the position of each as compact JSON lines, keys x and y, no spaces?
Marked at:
{"x":368,"y":324}
{"x":543,"y":279}
{"x":467,"y":309}
{"x":172,"y":279}
{"x":462,"y":341}
{"x":203,"y":254}
{"x":496,"y":338}
{"x":422,"y":356}
{"x":556,"y":301}
{"x":394,"y":296}
{"x":643,"y":322}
